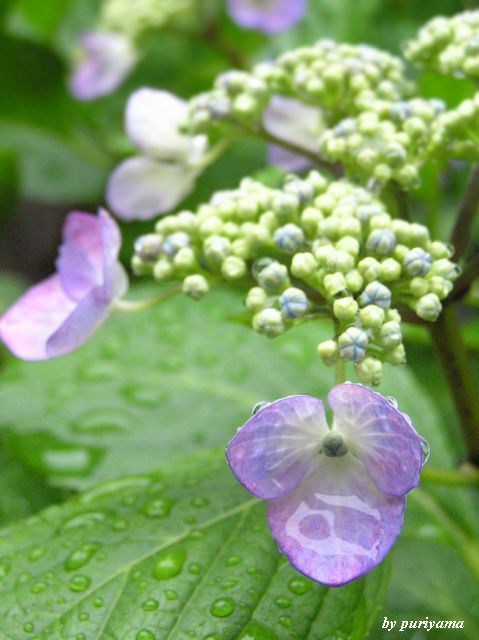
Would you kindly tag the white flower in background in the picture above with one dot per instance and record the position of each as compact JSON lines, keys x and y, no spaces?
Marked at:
{"x":165,"y":171}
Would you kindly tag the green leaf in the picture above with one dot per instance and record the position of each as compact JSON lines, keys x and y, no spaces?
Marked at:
{"x":155,"y":384}
{"x":164,"y":557}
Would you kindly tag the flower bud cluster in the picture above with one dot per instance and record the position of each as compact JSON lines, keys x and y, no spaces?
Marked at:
{"x":312,"y":248}
{"x":456,"y":132}
{"x":448,"y":45}
{"x":135,"y":18}
{"x":387,"y":142}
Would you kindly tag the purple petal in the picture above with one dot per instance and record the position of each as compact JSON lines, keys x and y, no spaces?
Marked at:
{"x":380,"y":436}
{"x":336,"y":525}
{"x":274,"y":450}
{"x":80,"y":259}
{"x":152,"y":120}
{"x":106,"y":58}
{"x":80,"y":324}
{"x":268,"y":16}
{"x":28,"y":324}
{"x":287,"y":160}
{"x":140,"y":188}
{"x":115,"y":281}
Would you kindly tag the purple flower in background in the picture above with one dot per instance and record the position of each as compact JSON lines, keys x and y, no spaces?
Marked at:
{"x":335,"y":496}
{"x":60,"y":313}
{"x":268,"y":16}
{"x":156,"y":181}
{"x":104,"y":60}
{"x":296,"y":123}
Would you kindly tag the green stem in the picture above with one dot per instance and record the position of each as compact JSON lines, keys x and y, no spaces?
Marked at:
{"x":402,"y":201}
{"x":464,"y":476}
{"x":465,"y":280}
{"x":339,"y":372}
{"x":449,"y":345}
{"x":129,"y":306}
{"x":466,"y":547}
{"x":461,"y":233}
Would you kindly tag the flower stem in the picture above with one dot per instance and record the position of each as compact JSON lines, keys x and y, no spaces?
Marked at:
{"x":461,"y":232}
{"x":128,"y":306}
{"x":402,"y":201}
{"x":457,"y":369}
{"x":464,"y":476}
{"x":339,"y":372}
{"x":465,"y":280}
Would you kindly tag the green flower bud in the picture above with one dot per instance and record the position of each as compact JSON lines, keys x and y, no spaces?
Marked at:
{"x":285,"y":205}
{"x":369,"y":268}
{"x":428,"y":307}
{"x":256,"y":299}
{"x":382,"y":173}
{"x":400,"y":252}
{"x":216,"y":249}
{"x":247,"y":208}
{"x":163,"y":270}
{"x":389,"y":270}
{"x":377,"y":294}
{"x":445,"y":268}
{"x":233,"y":268}
{"x":348,"y":244}
{"x":329,"y":227}
{"x":289,"y":238}
{"x":394,"y":315}
{"x":339,"y":261}
{"x":270,"y":322}
{"x":310,"y":218}
{"x":303,"y":265}
{"x":148,"y":247}
{"x":352,"y":344}
{"x":334,"y":283}
{"x":369,"y":370}
{"x":441,"y":287}
{"x":273,"y":277}
{"x":382,"y":221}
{"x":185,"y":259}
{"x":390,"y":335}
{"x":322,"y":252}
{"x":371,"y":316}
{"x":418,"y":235}
{"x":211,"y":226}
{"x":419,"y":287}
{"x":268,"y":220}
{"x":439,"y":250}
{"x":354,"y":281}
{"x":345,"y":308}
{"x":174,"y":242}
{"x":294,"y":303}
{"x":417,"y":262}
{"x":195,"y":286}
{"x":349,"y":226}
{"x":241,"y":248}
{"x":396,"y":356}
{"x":139,"y":267}
{"x":328,"y":352}
{"x":381,"y":241}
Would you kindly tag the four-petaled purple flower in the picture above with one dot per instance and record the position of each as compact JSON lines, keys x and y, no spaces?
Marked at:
{"x":336,"y":497}
{"x":104,"y":60}
{"x":268,"y":16}
{"x":60,"y":313}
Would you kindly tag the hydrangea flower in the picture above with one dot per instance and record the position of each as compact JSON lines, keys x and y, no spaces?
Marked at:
{"x":60,"y":313}
{"x":336,"y":497}
{"x":268,"y":16}
{"x":296,"y":123}
{"x":165,"y":172}
{"x":104,"y":60}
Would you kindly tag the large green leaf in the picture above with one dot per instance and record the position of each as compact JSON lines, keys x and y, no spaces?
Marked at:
{"x":183,"y":554}
{"x":152,"y":385}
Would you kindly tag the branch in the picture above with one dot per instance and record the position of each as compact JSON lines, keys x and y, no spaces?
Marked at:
{"x":402,"y":201}
{"x":461,"y":232}
{"x":465,"y":280}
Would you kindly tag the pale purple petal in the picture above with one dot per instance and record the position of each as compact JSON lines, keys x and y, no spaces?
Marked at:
{"x":140,"y":188}
{"x":287,"y":160}
{"x":152,"y":118}
{"x":274,"y":450}
{"x":269,"y":16}
{"x":80,"y":257}
{"x":115,"y":281}
{"x":106,"y":58}
{"x":80,"y":324}
{"x":379,"y":435}
{"x":336,"y":525}
{"x":27,"y":325}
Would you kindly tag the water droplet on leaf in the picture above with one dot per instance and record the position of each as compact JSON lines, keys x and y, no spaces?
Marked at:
{"x":169,"y":564}
{"x":80,"y":556}
{"x":223,"y":607}
{"x":79,"y":582}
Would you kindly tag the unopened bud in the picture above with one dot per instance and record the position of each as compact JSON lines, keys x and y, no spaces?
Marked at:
{"x":233,"y":268}
{"x":369,"y":370}
{"x":352,"y":344}
{"x":334,"y":283}
{"x":345,"y":308}
{"x":428,"y":307}
{"x":390,"y":335}
{"x":328,"y":352}
{"x":371,"y":316}
{"x":417,"y":262}
{"x":289,"y":238}
{"x":294,"y":303}
{"x":195,"y":286}
{"x":303,"y":265}
{"x":376,"y":293}
{"x":256,"y":299}
{"x":381,"y":241}
{"x":270,"y":322}
{"x":273,"y":277}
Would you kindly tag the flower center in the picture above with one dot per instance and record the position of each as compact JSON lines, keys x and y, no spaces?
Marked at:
{"x":333,"y":445}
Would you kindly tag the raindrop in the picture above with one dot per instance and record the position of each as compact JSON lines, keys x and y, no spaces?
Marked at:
{"x":114,"y":486}
{"x":144,"y":634}
{"x":282,"y":602}
{"x":36,"y":554}
{"x":392,"y":401}
{"x":223,"y":607}
{"x":257,"y":631}
{"x":170,"y":595}
{"x":200,"y":501}
{"x":4,"y":570}
{"x":99,"y":371}
{"x":77,"y":460}
{"x":299,"y":586}
{"x":121,"y":524}
{"x":232,"y":561}
{"x":258,"y":406}
{"x":80,"y":556}
{"x":213,"y":636}
{"x":150,"y":605}
{"x":87,"y":519}
{"x":426,"y":450}
{"x":98,"y":602}
{"x":195,"y":568}
{"x":143,"y":395}
{"x":38,"y":587}
{"x":80,"y":636}
{"x":79,"y":583}
{"x":196,"y":534}
{"x":28,"y":627}
{"x":169,"y":564}
{"x":102,"y":421}
{"x":190,"y":519}
{"x":286,"y":621}
{"x":84,"y":616}
{"x":229,"y":584}
{"x":158,"y":508}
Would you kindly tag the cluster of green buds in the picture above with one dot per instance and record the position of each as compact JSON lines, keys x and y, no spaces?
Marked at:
{"x":387,"y":142}
{"x":448,"y":45}
{"x":456,"y":132}
{"x":314,"y":248}
{"x":133,"y":19}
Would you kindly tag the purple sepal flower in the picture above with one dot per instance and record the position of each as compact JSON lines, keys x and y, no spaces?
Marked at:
{"x":156,"y":181}
{"x":268,"y":16}
{"x":295,"y":123}
{"x":335,"y":496}
{"x":60,"y":313}
{"x":105,"y":59}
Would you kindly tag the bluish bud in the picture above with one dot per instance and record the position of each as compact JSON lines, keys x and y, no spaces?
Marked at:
{"x":328,"y":352}
{"x":376,"y":293}
{"x":390,"y":335}
{"x":381,"y":241}
{"x":148,"y":247}
{"x":345,"y":308}
{"x":294,"y":303}
{"x":270,"y":322}
{"x":369,"y":370}
{"x":233,"y":268}
{"x":195,"y":286}
{"x":273,"y":277}
{"x":256,"y":299}
{"x":174,"y":242}
{"x":372,"y":317}
{"x":353,"y":344}
{"x":303,"y":265}
{"x":289,"y":238}
{"x":428,"y":307}
{"x":417,"y":262}
{"x":259,"y":265}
